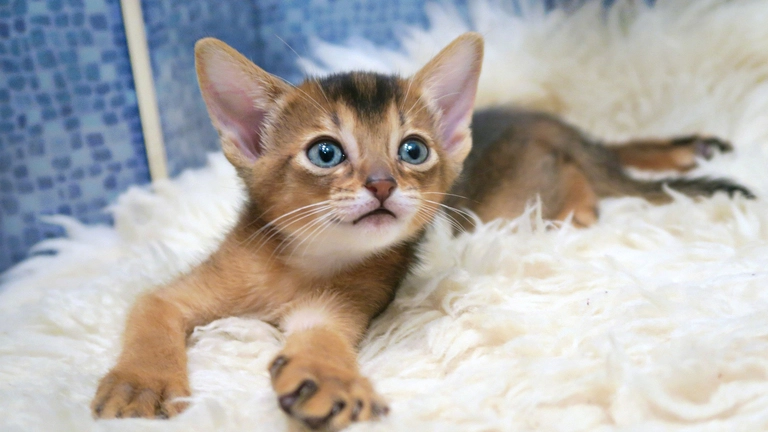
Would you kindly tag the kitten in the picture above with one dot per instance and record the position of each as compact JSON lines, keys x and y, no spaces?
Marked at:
{"x":343,"y":174}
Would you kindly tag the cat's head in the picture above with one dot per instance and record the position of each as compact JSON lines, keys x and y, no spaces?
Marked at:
{"x":357,"y":160}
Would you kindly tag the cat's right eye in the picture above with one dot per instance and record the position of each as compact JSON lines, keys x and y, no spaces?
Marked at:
{"x":326,"y":154}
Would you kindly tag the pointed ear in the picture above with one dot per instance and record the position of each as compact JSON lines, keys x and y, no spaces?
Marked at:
{"x":239,"y":96}
{"x":449,"y":83}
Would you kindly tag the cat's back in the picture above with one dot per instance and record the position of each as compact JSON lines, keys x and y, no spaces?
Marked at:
{"x":515,"y":153}
{"x":510,"y":124}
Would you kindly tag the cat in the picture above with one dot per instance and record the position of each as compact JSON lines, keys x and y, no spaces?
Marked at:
{"x":343,"y":175}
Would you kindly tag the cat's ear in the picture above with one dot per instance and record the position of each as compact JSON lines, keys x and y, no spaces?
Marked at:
{"x":449,"y":84}
{"x":239,"y":96}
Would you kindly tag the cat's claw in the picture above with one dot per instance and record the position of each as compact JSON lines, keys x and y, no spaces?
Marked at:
{"x":124,"y":394}
{"x":322,"y":395}
{"x":704,"y":146}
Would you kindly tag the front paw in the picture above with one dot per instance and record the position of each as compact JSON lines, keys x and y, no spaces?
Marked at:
{"x":132,"y":393}
{"x":320,"y":393}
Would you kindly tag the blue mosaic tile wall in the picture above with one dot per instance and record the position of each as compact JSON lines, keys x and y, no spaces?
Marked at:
{"x":70,"y":137}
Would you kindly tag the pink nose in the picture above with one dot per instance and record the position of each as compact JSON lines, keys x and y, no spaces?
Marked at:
{"x":381,"y":188}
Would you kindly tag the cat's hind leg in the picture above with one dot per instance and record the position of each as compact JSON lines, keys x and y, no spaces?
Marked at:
{"x":672,"y":154}
{"x":579,"y":198}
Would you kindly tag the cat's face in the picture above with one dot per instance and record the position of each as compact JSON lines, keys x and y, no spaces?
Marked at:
{"x":353,"y":162}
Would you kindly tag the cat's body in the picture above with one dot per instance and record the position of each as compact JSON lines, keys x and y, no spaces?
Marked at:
{"x":343,"y":175}
{"x":519,"y":154}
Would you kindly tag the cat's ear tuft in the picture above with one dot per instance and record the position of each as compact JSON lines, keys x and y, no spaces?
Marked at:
{"x":239,"y":96}
{"x":449,"y":84}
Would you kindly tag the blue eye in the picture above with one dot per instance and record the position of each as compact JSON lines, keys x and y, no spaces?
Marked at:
{"x":413,"y":151}
{"x":326,"y":154}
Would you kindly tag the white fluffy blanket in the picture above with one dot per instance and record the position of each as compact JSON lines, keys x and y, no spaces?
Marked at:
{"x":656,"y":318}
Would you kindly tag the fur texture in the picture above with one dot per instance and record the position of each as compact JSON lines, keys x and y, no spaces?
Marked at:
{"x":654,"y":318}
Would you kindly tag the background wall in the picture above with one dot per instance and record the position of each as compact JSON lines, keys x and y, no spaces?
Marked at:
{"x":70,"y":135}
{"x":70,"y":138}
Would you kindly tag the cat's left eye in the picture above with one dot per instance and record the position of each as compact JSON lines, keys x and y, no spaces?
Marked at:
{"x":413,"y":151}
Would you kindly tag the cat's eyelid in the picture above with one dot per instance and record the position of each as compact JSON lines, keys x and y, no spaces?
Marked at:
{"x":419,"y":134}
{"x":321,"y":138}
{"x":414,"y":137}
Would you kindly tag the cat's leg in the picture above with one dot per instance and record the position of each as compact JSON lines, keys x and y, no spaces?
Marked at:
{"x":316,"y":376}
{"x":151,"y":370}
{"x":677,"y":154}
{"x":578,"y":195}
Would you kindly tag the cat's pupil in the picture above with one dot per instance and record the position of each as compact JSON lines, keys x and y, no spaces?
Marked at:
{"x":326,"y":153}
{"x":413,"y":151}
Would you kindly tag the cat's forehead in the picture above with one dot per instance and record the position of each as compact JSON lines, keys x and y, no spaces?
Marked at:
{"x":368,"y":95}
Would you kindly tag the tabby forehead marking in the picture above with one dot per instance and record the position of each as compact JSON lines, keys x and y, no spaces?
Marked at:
{"x":369,"y":94}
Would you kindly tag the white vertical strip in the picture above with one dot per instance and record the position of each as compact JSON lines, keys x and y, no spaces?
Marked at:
{"x":133,"y":20}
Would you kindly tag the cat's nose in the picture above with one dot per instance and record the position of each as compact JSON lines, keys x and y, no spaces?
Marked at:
{"x":381,"y":188}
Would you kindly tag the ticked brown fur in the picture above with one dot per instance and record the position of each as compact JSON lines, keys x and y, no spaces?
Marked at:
{"x":520,"y":154}
{"x":319,"y":251}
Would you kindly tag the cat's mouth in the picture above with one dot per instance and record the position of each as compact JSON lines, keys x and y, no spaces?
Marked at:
{"x":381,"y":211}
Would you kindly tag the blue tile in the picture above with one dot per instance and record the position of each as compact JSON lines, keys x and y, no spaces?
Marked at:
{"x":8,"y":66}
{"x":6,"y":161}
{"x":110,"y":182}
{"x":16,"y":82}
{"x":94,"y":140}
{"x":19,"y":25}
{"x":61,"y":20}
{"x":19,"y":7}
{"x":55,"y":5}
{"x":74,"y":191}
{"x":46,"y":59}
{"x":44,"y":183}
{"x":10,"y":205}
{"x":71,"y":124}
{"x":20,"y":172}
{"x":98,"y":21}
{"x":61,"y":162}
{"x":101,"y":155}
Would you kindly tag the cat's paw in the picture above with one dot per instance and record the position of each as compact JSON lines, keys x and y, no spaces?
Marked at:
{"x":704,"y":146}
{"x":323,"y":395}
{"x":128,"y":393}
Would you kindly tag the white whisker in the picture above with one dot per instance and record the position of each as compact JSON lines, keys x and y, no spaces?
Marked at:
{"x":466,"y":215}
{"x":272,"y":223}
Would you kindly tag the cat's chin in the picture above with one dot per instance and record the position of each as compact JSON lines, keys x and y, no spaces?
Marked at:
{"x":347,"y":242}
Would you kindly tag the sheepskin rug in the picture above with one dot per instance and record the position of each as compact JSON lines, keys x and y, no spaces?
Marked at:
{"x":656,"y":318}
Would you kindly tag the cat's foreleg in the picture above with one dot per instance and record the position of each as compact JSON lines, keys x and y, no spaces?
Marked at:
{"x":316,"y":376}
{"x":151,"y":371}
